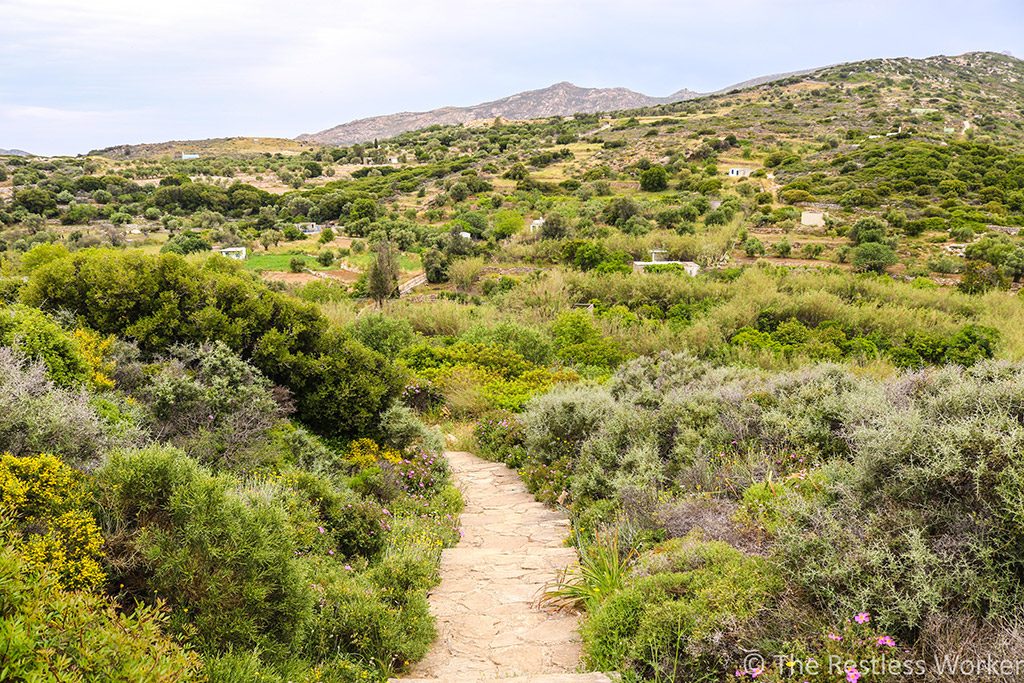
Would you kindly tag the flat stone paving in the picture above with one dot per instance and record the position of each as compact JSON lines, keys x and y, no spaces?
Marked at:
{"x":489,"y":624}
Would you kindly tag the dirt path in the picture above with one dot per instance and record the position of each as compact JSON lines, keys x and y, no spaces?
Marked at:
{"x":489,"y":624}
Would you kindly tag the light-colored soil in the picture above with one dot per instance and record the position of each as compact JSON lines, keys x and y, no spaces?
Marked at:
{"x":489,"y":623}
{"x":287,"y":277}
{"x":343,"y":275}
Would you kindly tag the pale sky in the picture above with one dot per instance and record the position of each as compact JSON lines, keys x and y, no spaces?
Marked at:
{"x":77,"y":75}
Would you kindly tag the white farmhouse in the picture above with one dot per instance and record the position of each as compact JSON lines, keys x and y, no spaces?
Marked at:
{"x":740,"y":172}
{"x":812,"y":219}
{"x":658,"y":257}
{"x":236,"y":253}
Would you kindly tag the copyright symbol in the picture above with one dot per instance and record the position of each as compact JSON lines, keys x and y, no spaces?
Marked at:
{"x":753,"y":662}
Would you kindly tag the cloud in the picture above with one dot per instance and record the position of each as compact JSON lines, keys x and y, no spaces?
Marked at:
{"x":52,"y":115}
{"x":265,"y":67}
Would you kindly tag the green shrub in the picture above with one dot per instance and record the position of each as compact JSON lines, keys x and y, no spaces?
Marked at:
{"x":354,"y":617}
{"x":187,"y":242}
{"x":578,"y":341}
{"x":525,"y":341}
{"x":556,"y":426}
{"x":874,"y":257}
{"x":500,"y":436}
{"x":340,"y":386}
{"x":213,"y":404}
{"x":384,"y":334}
{"x":223,"y":564}
{"x":36,"y":416}
{"x":80,"y":635}
{"x":683,"y":620}
{"x":36,"y":336}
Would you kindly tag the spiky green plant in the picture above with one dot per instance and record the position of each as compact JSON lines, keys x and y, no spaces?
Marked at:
{"x":602,"y":570}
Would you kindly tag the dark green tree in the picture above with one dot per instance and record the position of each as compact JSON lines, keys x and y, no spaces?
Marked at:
{"x":873,"y":257}
{"x":654,"y":179}
{"x":382,"y":278}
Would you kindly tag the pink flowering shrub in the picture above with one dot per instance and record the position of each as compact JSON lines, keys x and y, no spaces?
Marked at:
{"x":501,"y":436}
{"x":852,"y":652}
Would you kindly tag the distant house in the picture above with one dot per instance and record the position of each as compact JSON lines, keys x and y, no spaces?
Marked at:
{"x":658,"y":258}
{"x":236,"y":253}
{"x":310,"y":229}
{"x":187,"y":157}
{"x":812,"y":219}
{"x":740,"y":172}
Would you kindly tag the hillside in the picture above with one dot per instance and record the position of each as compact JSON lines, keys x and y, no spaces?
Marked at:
{"x":560,"y":99}
{"x":14,"y":153}
{"x":234,"y":146}
{"x":763,"y":348}
{"x":566,"y":99}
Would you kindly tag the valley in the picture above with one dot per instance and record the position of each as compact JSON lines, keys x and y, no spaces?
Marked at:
{"x":745,"y":370}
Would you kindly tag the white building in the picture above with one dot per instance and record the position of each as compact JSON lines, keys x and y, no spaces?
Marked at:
{"x":311,"y":229}
{"x":187,"y":157}
{"x":658,"y":257}
{"x":236,"y":253}
{"x":740,"y":172}
{"x":812,"y":219}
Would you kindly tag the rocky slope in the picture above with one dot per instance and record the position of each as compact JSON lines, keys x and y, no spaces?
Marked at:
{"x":561,"y":99}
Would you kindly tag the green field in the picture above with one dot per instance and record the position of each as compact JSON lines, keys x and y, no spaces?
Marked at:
{"x":280,"y":261}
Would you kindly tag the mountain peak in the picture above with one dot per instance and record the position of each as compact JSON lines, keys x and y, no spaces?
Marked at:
{"x":559,"y":99}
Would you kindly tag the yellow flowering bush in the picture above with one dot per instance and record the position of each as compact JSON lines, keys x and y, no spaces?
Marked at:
{"x":70,"y":548}
{"x":32,"y":486}
{"x":365,"y":453}
{"x":42,"y":496}
{"x":96,"y":351}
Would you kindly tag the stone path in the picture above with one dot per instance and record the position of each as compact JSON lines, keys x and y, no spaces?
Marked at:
{"x":489,"y":625}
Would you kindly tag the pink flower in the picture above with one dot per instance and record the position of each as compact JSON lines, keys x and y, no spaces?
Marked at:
{"x":887,"y":641}
{"x":320,"y":529}
{"x":852,"y":675}
{"x":835,"y":636}
{"x":862,"y":618}
{"x":348,"y":567}
{"x":330,"y":552}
